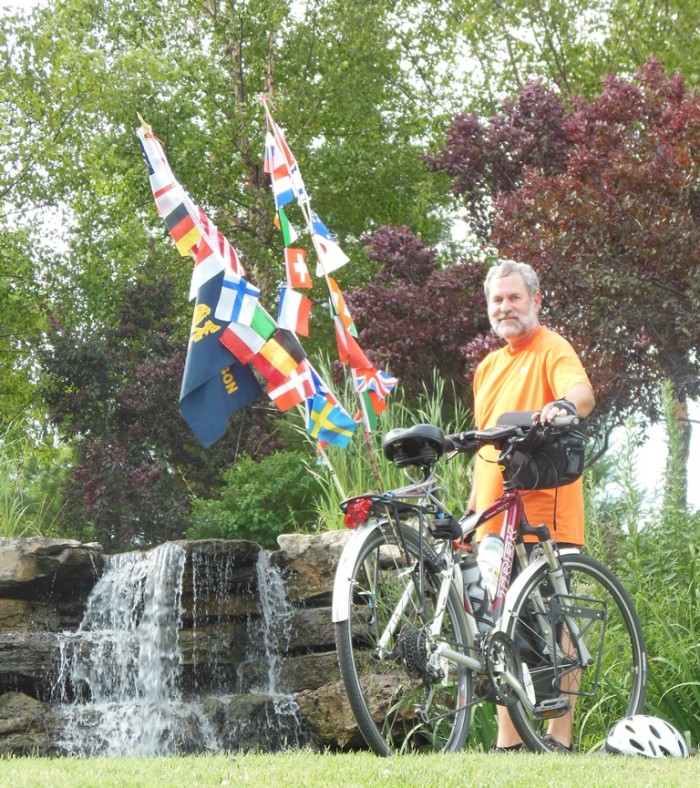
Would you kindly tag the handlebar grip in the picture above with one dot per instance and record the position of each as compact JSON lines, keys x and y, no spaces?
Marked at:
{"x":564,"y":421}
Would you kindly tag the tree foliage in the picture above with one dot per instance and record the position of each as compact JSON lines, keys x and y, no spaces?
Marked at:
{"x":416,"y":314}
{"x":601,"y":197}
{"x":75,"y":75}
{"x":114,"y":395}
{"x":572,"y":44}
{"x":259,"y":501}
{"x":362,"y":90}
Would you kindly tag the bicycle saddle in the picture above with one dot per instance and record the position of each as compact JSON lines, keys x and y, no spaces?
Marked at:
{"x":421,"y":445}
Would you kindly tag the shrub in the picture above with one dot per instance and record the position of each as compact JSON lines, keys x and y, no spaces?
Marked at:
{"x":259,"y":501}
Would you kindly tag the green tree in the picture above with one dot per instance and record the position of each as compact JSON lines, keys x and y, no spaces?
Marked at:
{"x":355,"y":87}
{"x":601,"y":197}
{"x":572,"y":44}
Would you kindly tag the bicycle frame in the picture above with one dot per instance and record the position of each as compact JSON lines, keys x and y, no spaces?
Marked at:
{"x":416,"y":644}
{"x":511,"y":506}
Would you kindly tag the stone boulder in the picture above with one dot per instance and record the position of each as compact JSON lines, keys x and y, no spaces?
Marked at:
{"x":310,"y":562}
{"x":23,"y":725}
{"x":37,"y":568}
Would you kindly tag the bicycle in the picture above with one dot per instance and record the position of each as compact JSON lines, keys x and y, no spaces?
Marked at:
{"x":413,"y":656}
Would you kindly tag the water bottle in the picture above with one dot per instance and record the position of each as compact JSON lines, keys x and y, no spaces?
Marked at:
{"x":474,"y":588}
{"x":489,"y":560}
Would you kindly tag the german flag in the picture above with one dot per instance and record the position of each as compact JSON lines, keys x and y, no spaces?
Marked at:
{"x":284,"y":351}
{"x":182,"y":229}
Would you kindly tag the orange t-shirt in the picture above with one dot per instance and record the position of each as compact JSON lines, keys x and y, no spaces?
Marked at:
{"x":527,"y":378}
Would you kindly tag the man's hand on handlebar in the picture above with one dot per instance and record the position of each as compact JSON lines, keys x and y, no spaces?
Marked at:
{"x":553,"y":410}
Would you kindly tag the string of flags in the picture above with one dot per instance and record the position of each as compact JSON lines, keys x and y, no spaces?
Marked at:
{"x":235,"y":345}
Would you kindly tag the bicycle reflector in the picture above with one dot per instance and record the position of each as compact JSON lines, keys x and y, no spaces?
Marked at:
{"x":357,"y":512}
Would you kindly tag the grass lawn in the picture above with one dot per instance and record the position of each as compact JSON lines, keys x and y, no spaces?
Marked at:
{"x":289,"y":769}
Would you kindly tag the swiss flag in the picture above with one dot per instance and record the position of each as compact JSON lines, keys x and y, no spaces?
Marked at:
{"x":297,"y":270}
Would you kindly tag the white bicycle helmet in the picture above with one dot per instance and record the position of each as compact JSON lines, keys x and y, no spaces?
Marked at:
{"x":651,"y":737}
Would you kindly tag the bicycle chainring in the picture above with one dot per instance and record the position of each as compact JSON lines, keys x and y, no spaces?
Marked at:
{"x":500,"y":656}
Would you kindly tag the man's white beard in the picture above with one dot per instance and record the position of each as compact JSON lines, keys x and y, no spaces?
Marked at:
{"x":519,"y":324}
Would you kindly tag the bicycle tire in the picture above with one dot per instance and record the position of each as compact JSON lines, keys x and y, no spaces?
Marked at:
{"x":613,"y":686}
{"x":386,"y":689}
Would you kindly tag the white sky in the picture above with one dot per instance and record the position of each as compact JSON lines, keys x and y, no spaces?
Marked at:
{"x":651,"y":460}
{"x":20,"y":5}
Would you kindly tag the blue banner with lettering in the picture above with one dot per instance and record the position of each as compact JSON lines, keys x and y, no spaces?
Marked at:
{"x":215,"y":384}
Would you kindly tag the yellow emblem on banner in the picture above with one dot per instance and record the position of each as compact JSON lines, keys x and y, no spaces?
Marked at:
{"x":201,"y":327}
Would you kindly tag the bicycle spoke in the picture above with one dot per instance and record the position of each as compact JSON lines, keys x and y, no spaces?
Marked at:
{"x":600,"y":668}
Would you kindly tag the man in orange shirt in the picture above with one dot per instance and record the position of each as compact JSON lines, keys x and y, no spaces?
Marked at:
{"x":536,"y":370}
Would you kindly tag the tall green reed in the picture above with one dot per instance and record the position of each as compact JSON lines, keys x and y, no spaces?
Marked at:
{"x":24,"y":509}
{"x":652,"y":542}
{"x":362,"y":467}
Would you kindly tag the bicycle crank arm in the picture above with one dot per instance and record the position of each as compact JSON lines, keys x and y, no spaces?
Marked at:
{"x":518,"y":689}
{"x":457,"y":657}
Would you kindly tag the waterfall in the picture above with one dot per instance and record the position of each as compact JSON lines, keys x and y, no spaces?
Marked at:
{"x":122,"y":666}
{"x":123,"y":683}
{"x":276,"y":623}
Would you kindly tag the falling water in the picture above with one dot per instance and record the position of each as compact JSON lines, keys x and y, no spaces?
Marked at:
{"x":275,"y":624}
{"x":120,"y":674}
{"x":122,"y":666}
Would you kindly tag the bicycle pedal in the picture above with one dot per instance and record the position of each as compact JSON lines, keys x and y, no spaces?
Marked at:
{"x":552,"y":707}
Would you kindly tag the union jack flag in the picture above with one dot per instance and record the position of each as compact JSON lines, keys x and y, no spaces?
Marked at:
{"x":374,"y":380}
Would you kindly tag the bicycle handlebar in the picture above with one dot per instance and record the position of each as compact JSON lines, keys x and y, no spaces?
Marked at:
{"x":472,"y":440}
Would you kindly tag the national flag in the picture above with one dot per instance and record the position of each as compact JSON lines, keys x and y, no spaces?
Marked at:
{"x":329,"y":422}
{"x":318,"y":386}
{"x":238,"y":299}
{"x":242,"y":341}
{"x":283,"y":351}
{"x":294,"y":310}
{"x":289,"y":234}
{"x":294,"y":389}
{"x":283,"y":151}
{"x":189,"y":226}
{"x":167,"y":191}
{"x":262,"y":323}
{"x":340,"y":307}
{"x":317,"y":383}
{"x":206,"y":265}
{"x":330,"y":256}
{"x":214,"y":385}
{"x":376,"y":380}
{"x":219,"y":243}
{"x":271,"y":374}
{"x":275,"y":164}
{"x":319,"y":228}
{"x":297,"y":272}
{"x":172,"y":201}
{"x":183,"y":229}
{"x":349,"y":352}
{"x":373,"y":406}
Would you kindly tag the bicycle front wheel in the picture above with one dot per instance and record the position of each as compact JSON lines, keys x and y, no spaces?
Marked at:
{"x":401,"y":697}
{"x":586,"y":646}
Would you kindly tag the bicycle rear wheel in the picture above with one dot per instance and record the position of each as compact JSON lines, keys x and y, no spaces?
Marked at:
{"x":602,"y":672}
{"x":402,"y":700}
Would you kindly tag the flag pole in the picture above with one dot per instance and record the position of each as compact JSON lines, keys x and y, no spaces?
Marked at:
{"x":367,"y":432}
{"x":305,"y":206}
{"x":331,"y":470}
